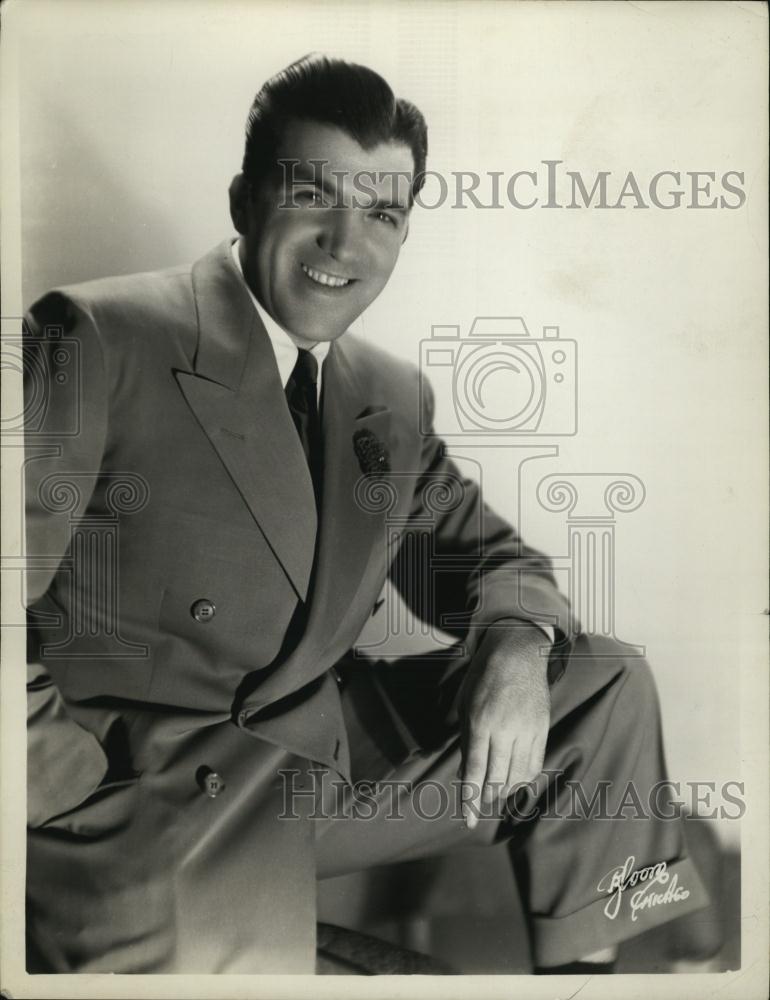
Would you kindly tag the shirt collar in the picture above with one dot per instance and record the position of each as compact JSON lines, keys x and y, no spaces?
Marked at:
{"x":284,"y":346}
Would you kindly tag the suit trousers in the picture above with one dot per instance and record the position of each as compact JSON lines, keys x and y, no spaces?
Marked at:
{"x":597,"y":846}
{"x":150,"y":874}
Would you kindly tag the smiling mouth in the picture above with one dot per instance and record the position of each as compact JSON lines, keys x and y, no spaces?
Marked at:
{"x":327,"y":280}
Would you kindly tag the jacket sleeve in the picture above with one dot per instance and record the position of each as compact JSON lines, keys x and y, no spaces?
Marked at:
{"x":65,"y":407}
{"x":479,"y":571}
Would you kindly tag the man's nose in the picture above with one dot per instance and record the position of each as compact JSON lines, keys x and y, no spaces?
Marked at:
{"x":337,"y":237}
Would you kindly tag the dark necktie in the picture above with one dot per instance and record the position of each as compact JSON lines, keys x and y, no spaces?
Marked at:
{"x":302,"y":397}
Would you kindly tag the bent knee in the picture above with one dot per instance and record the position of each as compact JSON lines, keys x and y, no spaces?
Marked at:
{"x":632,"y":673}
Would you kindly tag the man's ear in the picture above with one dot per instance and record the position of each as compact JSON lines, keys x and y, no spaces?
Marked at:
{"x":239,"y":199}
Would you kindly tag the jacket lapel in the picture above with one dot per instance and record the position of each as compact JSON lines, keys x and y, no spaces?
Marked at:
{"x":349,"y":529}
{"x":236,"y":394}
{"x":352,"y":520}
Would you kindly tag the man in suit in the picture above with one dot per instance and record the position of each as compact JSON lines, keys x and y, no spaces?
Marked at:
{"x":208,"y":478}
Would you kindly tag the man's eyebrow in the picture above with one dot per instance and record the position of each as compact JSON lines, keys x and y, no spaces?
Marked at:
{"x":305,"y":173}
{"x":385,"y":205}
{"x":308,"y":173}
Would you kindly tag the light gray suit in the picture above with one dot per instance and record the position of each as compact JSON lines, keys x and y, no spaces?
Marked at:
{"x":190,"y":611}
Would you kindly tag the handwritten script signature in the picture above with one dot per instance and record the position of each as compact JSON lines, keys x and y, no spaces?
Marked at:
{"x":619,"y":880}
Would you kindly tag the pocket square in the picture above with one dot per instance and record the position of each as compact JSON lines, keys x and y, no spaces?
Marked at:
{"x":371,"y":453}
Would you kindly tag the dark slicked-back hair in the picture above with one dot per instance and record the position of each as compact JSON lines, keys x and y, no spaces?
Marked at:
{"x":353,"y":98}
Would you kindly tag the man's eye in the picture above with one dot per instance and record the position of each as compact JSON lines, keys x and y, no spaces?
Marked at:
{"x":384,"y":217}
{"x":308,"y":197}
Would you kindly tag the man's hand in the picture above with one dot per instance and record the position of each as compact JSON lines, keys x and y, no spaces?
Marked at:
{"x":505,"y":708}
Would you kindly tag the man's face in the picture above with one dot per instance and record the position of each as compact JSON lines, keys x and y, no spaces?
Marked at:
{"x":317,"y":262}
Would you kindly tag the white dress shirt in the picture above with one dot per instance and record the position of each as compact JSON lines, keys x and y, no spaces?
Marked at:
{"x":285,"y":346}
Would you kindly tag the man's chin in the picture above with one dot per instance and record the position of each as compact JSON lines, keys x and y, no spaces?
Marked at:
{"x":312,"y":333}
{"x":327,"y":336}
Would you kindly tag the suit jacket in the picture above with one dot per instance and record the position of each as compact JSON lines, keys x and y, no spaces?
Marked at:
{"x":187,"y":604}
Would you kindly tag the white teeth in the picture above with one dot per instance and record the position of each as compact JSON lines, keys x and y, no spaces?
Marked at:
{"x":325,"y":279}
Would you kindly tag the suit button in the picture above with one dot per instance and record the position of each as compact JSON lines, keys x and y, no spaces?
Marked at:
{"x":203,"y":610}
{"x":210,"y":782}
{"x":214,"y":785}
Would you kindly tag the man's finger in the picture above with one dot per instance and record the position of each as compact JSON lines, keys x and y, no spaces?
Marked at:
{"x":519,"y":769}
{"x":474,"y":772}
{"x":514,"y":776}
{"x":498,"y":766}
{"x":537,"y":756}
{"x":510,"y":780}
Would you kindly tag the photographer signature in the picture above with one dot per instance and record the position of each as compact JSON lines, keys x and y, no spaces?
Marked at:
{"x":624,"y":877}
